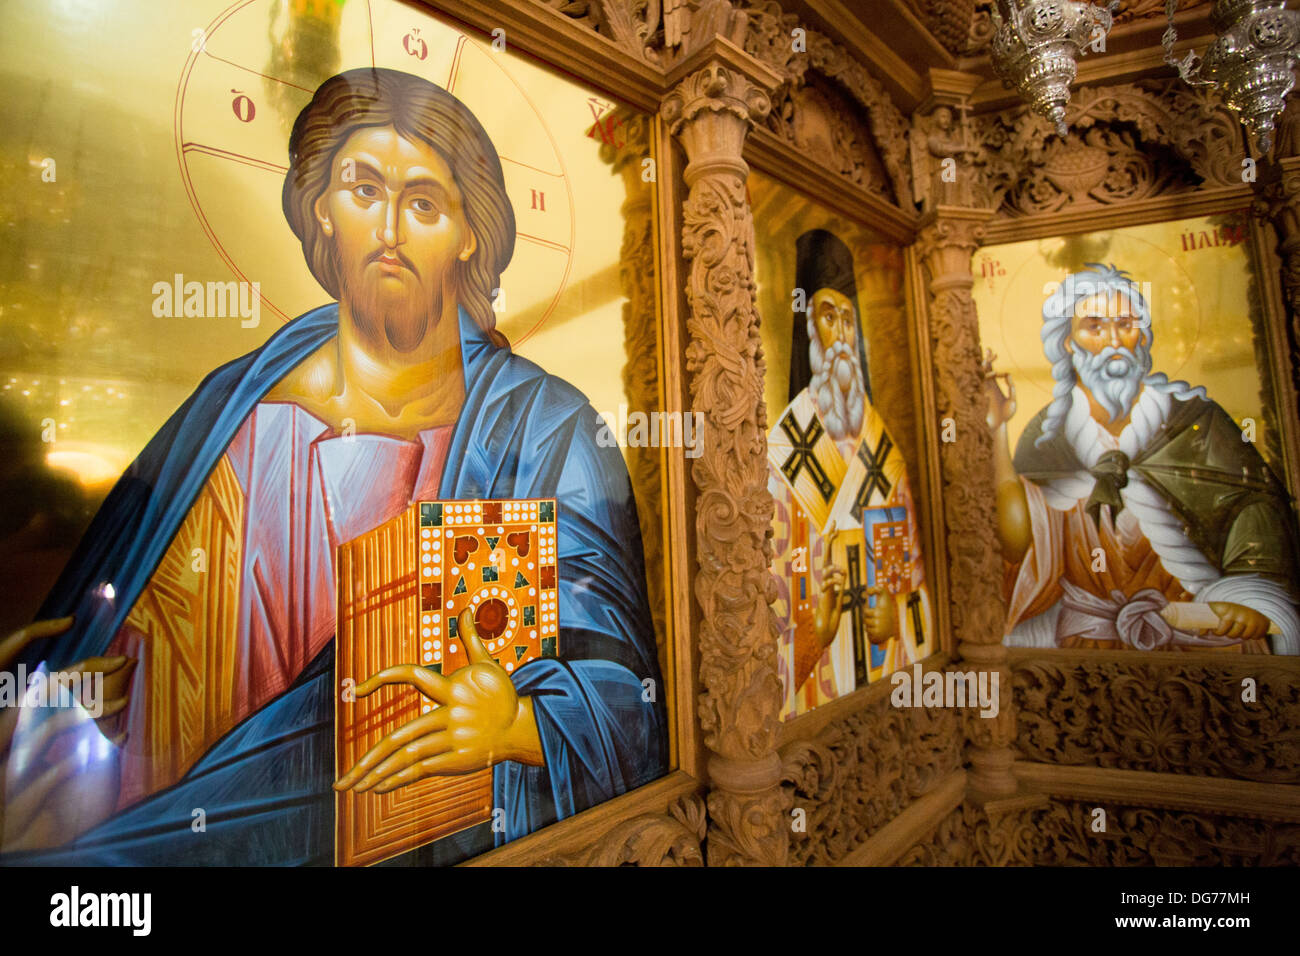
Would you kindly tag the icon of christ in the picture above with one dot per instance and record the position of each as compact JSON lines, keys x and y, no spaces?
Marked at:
{"x":206,"y":586}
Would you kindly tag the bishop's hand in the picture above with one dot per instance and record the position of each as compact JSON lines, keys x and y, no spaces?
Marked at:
{"x":481,"y":721}
{"x":881,"y":620}
{"x":826,"y":619}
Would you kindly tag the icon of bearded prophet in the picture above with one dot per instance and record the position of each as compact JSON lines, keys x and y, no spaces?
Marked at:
{"x":850,"y":577}
{"x":222,"y":684}
{"x":1135,"y":514}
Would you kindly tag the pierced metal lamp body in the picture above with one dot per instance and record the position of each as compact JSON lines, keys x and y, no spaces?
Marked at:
{"x":1036,"y":44}
{"x":1252,"y":60}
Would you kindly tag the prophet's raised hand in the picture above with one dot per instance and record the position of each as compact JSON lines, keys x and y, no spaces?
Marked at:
{"x":1001,"y":405}
{"x":480,"y":721}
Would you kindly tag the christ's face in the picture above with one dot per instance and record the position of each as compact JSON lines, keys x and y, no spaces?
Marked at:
{"x":834,"y":316}
{"x":393,"y":212}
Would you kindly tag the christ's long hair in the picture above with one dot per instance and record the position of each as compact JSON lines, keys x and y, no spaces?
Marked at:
{"x":417,"y":109}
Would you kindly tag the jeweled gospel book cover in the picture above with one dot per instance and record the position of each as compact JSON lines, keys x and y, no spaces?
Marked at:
{"x":402,"y":588}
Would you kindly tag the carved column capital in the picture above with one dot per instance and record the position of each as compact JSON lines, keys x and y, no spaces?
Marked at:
{"x":718,"y":94}
{"x":947,"y":238}
{"x":720,"y":91}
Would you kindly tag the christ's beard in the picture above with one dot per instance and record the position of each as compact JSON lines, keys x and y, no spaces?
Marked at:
{"x":397,"y":317}
{"x":1113,"y":376}
{"x":836,"y":387}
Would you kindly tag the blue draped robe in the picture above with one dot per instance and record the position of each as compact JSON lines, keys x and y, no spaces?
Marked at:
{"x":264,"y":788}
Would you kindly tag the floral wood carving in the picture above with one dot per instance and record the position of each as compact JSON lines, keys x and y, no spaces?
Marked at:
{"x":1104,"y":165}
{"x":632,"y":25}
{"x":822,"y":124}
{"x":662,"y":32}
{"x":1162,"y":715}
{"x":862,"y":771}
{"x":1061,"y":834}
{"x":711,"y":111}
{"x":769,"y":39}
{"x":674,"y":838}
{"x":1143,"y":836}
{"x":975,"y":835}
{"x":944,"y":247}
{"x":950,"y":844}
{"x":667,"y":32}
{"x":635,"y":25}
{"x":1126,"y":142}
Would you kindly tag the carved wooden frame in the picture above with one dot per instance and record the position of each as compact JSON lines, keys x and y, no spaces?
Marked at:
{"x":1207,"y":780}
{"x":858,"y":809}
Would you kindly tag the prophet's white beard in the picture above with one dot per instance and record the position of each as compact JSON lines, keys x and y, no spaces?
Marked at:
{"x":1114,"y":376}
{"x":836,"y":386}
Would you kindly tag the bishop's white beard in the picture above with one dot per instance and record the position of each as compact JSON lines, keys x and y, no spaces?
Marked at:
{"x":836,"y":386}
{"x":1113,"y":376}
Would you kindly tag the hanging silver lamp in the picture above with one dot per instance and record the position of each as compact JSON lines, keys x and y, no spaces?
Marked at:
{"x":1036,"y":44}
{"x":1250,"y":61}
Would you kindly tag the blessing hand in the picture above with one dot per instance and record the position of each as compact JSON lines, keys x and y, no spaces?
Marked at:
{"x":49,"y":790}
{"x":481,"y":722}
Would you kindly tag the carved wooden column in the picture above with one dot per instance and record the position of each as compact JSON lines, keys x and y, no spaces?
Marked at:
{"x":948,"y":238}
{"x":1278,"y":201}
{"x":719,"y":91}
